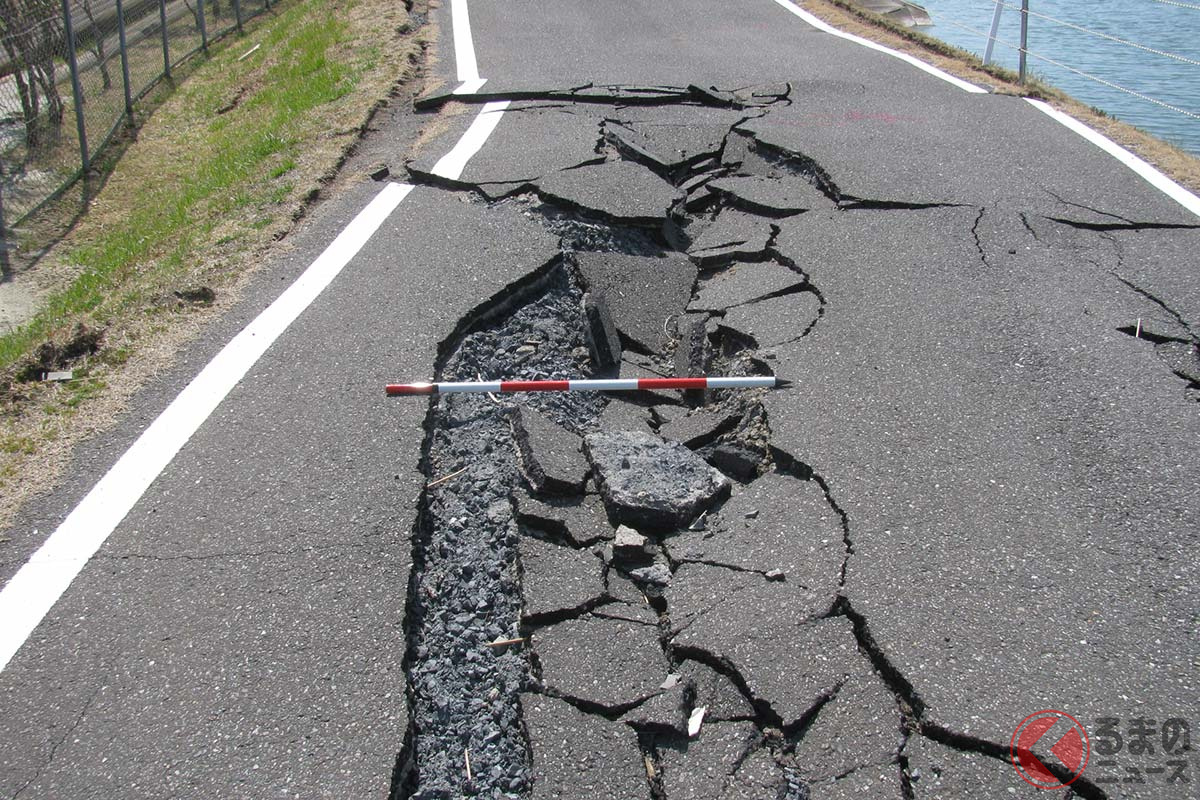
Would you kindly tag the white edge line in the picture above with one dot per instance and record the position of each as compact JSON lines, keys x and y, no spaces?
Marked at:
{"x":471,"y":87}
{"x":820,"y":24}
{"x":464,"y":48}
{"x":31,"y":593}
{"x":451,"y":165}
{"x":1150,"y":174}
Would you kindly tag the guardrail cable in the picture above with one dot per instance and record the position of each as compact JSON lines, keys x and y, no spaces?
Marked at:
{"x":1110,"y":37}
{"x":1192,"y":6}
{"x":1079,"y":72}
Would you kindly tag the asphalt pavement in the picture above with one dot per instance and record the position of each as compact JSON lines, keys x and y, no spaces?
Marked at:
{"x":976,"y":502}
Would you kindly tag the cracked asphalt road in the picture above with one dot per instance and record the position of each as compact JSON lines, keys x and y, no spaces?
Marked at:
{"x":977,"y":502}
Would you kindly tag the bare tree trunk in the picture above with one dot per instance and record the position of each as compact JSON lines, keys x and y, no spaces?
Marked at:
{"x":33,"y":33}
{"x":98,"y":46}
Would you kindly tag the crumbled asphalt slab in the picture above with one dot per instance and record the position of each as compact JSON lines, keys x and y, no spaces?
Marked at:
{"x":648,"y":482}
{"x":778,"y":522}
{"x":613,"y":191}
{"x":716,"y":692}
{"x":860,"y":727}
{"x":699,"y":769}
{"x":735,"y":588}
{"x":601,"y":663}
{"x":770,"y":197}
{"x":558,"y":580}
{"x":775,"y":320}
{"x":733,"y":236}
{"x":936,"y":771}
{"x":695,"y":428}
{"x":591,"y":756}
{"x":580,"y":521}
{"x":551,"y":459}
{"x":643,"y":293}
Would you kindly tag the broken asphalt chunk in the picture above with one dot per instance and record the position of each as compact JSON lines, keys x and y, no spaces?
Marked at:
{"x":744,"y":283}
{"x":794,"y":531}
{"x":700,"y":768}
{"x":608,"y":663}
{"x":629,"y":545}
{"x":788,"y":659}
{"x":580,"y":755}
{"x":777,"y":319}
{"x":770,"y":197}
{"x":695,"y":428}
{"x":860,"y":727}
{"x":693,"y":355}
{"x":649,"y":483}
{"x":600,"y":333}
{"x":623,"y":415}
{"x":579,"y":521}
{"x":733,"y":236}
{"x":736,"y":459}
{"x":665,"y":712}
{"x":619,"y":191}
{"x":642,"y":292}
{"x":550,"y":456}
{"x":716,"y":692}
{"x":937,"y":771}
{"x":557,"y":579}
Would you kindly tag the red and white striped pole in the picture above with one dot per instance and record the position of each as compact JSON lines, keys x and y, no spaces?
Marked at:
{"x":616,"y":385}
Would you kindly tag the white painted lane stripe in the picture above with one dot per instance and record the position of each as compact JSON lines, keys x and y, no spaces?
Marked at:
{"x":471,"y":87}
{"x":451,"y":165}
{"x":1151,"y":175}
{"x":464,"y":48}
{"x":820,"y":24}
{"x":31,"y":593}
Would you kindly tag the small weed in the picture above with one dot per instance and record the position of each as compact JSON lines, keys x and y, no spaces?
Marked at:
{"x":17,"y":445}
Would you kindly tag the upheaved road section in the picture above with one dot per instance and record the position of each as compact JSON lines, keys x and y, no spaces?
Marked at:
{"x":975,"y":503}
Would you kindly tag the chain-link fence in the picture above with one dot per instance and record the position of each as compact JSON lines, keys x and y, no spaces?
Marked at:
{"x":71,"y":72}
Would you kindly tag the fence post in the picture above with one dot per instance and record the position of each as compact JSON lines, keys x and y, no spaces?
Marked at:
{"x":987,"y":52}
{"x":5,"y":267}
{"x":124,"y":61}
{"x":76,"y":89}
{"x":1024,"y":37}
{"x":237,"y":13}
{"x":203,"y":27}
{"x":162,"y":17}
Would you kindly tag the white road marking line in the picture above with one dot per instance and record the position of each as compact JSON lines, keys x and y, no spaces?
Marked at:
{"x":1151,"y":175}
{"x":452,"y":164}
{"x":820,"y":24}
{"x":464,"y":48}
{"x":31,"y":593}
{"x":471,"y":87}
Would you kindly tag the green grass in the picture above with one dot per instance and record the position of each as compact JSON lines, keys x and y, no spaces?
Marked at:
{"x":221,"y":167}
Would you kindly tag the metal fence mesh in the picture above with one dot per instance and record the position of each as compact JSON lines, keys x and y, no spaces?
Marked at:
{"x":71,"y":72}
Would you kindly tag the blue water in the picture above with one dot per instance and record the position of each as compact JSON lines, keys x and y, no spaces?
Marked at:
{"x":1173,"y":27}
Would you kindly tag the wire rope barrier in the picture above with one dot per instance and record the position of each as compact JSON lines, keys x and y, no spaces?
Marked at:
{"x":1108,"y":36}
{"x":1016,"y":47}
{"x":1178,"y":4}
